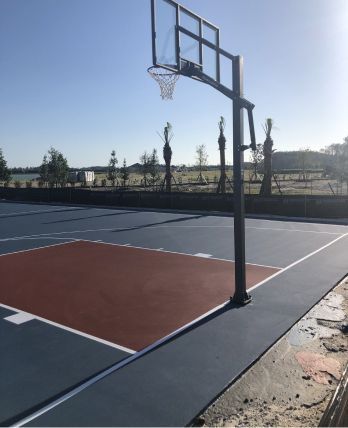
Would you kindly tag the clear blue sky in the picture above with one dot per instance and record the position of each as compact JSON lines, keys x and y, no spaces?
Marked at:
{"x":73,"y":76}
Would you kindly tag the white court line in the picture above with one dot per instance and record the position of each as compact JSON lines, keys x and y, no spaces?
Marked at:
{"x":149,"y":348}
{"x":39,"y":248}
{"x":246,"y":227}
{"x":290,"y":220}
{"x":38,"y":211}
{"x":114,"y":368}
{"x":71,"y":330}
{"x":293,"y":230}
{"x":204,"y":255}
{"x":108,"y":229}
{"x":39,"y":235}
{"x":172,"y":252}
{"x":298,"y":261}
{"x":115,"y":244}
{"x":20,"y":318}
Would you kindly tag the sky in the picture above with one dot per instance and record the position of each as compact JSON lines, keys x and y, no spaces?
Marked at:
{"x":73,"y":77}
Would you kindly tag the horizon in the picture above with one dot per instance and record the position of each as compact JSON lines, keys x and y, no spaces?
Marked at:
{"x":173,"y":165}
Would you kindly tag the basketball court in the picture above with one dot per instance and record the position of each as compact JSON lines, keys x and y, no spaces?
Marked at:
{"x":123,"y":317}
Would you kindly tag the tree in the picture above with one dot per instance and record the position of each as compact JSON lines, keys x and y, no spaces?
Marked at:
{"x":44,"y":171}
{"x":339,"y":154}
{"x":303,"y":163}
{"x":5,"y":174}
{"x":266,"y":186}
{"x":145,"y":160}
{"x":55,"y":168}
{"x":124,"y":174}
{"x":154,"y":167}
{"x":201,"y":162}
{"x":167,"y":154}
{"x":112,"y":168}
{"x":256,"y":158}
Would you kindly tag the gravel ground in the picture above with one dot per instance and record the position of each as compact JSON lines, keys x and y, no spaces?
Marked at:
{"x":292,"y":384}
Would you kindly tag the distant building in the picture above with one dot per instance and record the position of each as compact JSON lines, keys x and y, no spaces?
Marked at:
{"x":86,"y":176}
{"x":81,"y":177}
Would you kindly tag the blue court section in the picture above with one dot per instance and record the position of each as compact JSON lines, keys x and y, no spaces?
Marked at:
{"x":39,"y":361}
{"x":171,"y":384}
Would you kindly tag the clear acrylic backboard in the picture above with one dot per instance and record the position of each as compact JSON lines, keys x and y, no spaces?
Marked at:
{"x":180,"y":36}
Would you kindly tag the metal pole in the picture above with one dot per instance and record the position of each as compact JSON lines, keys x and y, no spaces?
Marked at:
{"x":240,"y":296}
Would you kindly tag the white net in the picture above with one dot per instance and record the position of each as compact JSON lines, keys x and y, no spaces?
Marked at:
{"x":166,"y":80}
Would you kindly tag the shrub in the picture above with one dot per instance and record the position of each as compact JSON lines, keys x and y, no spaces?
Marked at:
{"x":17,"y":184}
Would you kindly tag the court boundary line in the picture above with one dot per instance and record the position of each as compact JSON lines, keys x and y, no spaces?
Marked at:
{"x":139,"y":354}
{"x":39,"y":235}
{"x":41,"y":247}
{"x":299,"y":261}
{"x":124,"y":245}
{"x":115,"y":367}
{"x":161,"y":250}
{"x":38,"y":211}
{"x":71,"y":330}
{"x":246,"y":227}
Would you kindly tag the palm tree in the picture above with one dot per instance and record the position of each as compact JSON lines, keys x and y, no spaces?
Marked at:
{"x":222,"y":146}
{"x":266,"y":186}
{"x":167,"y":154}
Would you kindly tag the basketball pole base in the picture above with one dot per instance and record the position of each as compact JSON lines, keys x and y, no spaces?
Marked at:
{"x":241,"y":299}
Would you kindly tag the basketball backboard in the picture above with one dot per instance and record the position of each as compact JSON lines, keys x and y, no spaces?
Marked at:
{"x":181,"y":37}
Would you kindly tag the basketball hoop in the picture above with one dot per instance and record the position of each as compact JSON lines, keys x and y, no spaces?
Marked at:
{"x":166,"y":80}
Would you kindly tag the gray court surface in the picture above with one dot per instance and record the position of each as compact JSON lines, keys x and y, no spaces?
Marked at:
{"x":46,"y":367}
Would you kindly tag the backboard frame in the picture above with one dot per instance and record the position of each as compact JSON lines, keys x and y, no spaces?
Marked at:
{"x":195,"y":69}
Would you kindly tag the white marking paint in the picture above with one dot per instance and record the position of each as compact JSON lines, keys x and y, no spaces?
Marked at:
{"x":40,"y":235}
{"x":293,"y":221}
{"x":20,"y":318}
{"x":72,"y":330}
{"x":171,"y":252}
{"x":38,"y":211}
{"x":298,"y":261}
{"x":206,"y":256}
{"x":160,"y":227}
{"x":115,"y":367}
{"x":293,"y":230}
{"x":39,"y":248}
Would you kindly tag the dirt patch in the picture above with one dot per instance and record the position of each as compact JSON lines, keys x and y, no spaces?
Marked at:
{"x":292,"y":384}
